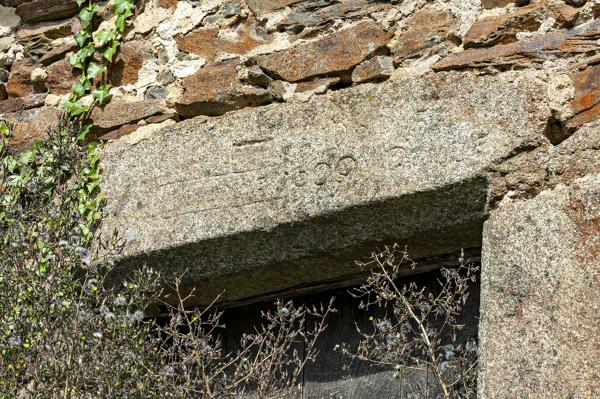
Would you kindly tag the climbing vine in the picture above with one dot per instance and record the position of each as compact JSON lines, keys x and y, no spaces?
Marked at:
{"x":50,"y":204}
{"x":103,"y":41}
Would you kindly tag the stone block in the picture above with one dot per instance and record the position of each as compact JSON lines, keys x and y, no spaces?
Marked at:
{"x":334,"y":53}
{"x":504,"y":28}
{"x":540,"y":297}
{"x":46,"y":10}
{"x":379,"y":67}
{"x":215,"y":89}
{"x":526,"y":53}
{"x":209,"y":43}
{"x":424,"y":31}
{"x":32,"y":125}
{"x":265,"y":199}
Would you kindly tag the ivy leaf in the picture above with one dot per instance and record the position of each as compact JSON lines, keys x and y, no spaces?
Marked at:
{"x":79,"y":58}
{"x":110,"y":52}
{"x":120,"y":23}
{"x":95,"y":69}
{"x":75,"y":108}
{"x":82,"y":37}
{"x":105,"y":36}
{"x":74,"y":60}
{"x":123,"y":7}
{"x":84,"y":132}
{"x":78,"y":90}
{"x":87,"y":14}
{"x":26,"y":157}
{"x":102,"y":94}
{"x":4,"y":129}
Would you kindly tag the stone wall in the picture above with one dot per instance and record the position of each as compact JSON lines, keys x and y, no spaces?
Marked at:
{"x":442,"y":125}
{"x":187,"y":58}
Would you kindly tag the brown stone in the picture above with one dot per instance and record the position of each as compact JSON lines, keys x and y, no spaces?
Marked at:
{"x":120,"y":132}
{"x":586,"y":103}
{"x":169,"y":4}
{"x":3,"y":93}
{"x":526,"y":53}
{"x":317,"y":13}
{"x":47,"y":10}
{"x":57,"y":53}
{"x":12,"y":3}
{"x":35,"y":47}
{"x":489,"y":4}
{"x":504,"y":28}
{"x":162,"y":117}
{"x":424,"y":29}
{"x":215,"y":89}
{"x":17,"y":104}
{"x":377,"y":68}
{"x":61,"y":77}
{"x":264,"y":6}
{"x":127,"y":64}
{"x":319,"y":85}
{"x":50,"y":29}
{"x":332,"y":54}
{"x":19,"y":83}
{"x":118,"y":113}
{"x":31,"y":125}
{"x":206,"y":42}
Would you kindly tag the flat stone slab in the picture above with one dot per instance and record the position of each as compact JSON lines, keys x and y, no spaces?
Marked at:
{"x":540,"y":296}
{"x":265,"y":199}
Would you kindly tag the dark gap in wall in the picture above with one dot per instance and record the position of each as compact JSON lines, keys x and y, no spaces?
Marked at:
{"x":333,"y":375}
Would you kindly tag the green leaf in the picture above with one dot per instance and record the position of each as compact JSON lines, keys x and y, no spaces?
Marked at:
{"x":102,"y":94}
{"x":82,"y":37}
{"x":80,"y":2}
{"x":75,"y":108}
{"x":94,"y":69}
{"x":74,"y":60}
{"x":78,"y":90}
{"x":123,"y":7}
{"x":79,"y":58}
{"x":84,"y":132}
{"x":86,"y":15}
{"x":26,"y":157}
{"x":120,"y":23}
{"x":110,"y":52}
{"x":105,"y":36}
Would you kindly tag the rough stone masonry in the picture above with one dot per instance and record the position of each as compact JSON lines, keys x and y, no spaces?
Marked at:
{"x":265,"y":145}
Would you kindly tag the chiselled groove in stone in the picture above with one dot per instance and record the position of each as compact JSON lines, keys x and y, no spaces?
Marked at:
{"x":252,"y":142}
{"x":323,"y":183}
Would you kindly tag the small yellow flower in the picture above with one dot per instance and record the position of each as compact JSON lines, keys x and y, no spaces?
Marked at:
{"x":26,"y":345}
{"x":46,"y":330}
{"x":131,"y":286}
{"x":155,"y":349}
{"x":83,"y":338}
{"x":9,"y":367}
{"x":94,"y":288}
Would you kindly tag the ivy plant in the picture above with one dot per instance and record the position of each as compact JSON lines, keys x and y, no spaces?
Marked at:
{"x":50,"y":203}
{"x":96,"y":50}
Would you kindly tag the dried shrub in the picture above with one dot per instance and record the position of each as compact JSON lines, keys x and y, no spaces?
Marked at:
{"x":420,"y":329}
{"x":65,"y":333}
